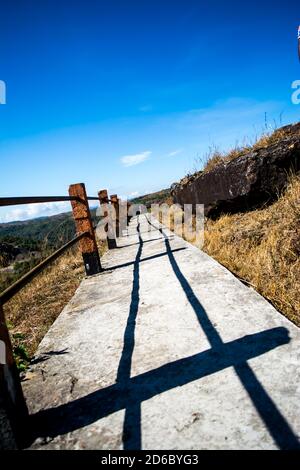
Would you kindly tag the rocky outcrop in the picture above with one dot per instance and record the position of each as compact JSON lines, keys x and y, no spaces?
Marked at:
{"x":246,"y":182}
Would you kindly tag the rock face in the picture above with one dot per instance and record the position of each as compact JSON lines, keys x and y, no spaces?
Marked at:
{"x":246,"y":182}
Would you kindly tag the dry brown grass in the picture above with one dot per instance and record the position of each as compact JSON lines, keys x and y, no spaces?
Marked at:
{"x":31,"y":312}
{"x":262,"y":247}
{"x":273,"y":138}
{"x":215,"y":158}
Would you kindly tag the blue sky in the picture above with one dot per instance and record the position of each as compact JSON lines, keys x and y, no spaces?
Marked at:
{"x":126,"y":95}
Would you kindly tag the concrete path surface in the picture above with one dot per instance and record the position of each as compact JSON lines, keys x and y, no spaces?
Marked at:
{"x":165,"y":350}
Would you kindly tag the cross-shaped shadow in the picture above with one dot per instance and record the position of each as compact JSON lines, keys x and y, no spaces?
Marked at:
{"x":128,"y":393}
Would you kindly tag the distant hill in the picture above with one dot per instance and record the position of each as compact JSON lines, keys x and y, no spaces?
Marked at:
{"x":47,"y":232}
{"x":152,"y":198}
{"x":24,"y":243}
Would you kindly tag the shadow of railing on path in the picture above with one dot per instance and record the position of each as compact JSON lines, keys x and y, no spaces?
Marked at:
{"x":132,"y":437}
{"x":128,"y":393}
{"x":277,"y":425}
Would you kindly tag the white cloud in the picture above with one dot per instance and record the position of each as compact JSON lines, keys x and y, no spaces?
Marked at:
{"x":134,"y":194}
{"x":31,"y":211}
{"x":130,"y":160}
{"x":125,"y":197}
{"x":175,"y":152}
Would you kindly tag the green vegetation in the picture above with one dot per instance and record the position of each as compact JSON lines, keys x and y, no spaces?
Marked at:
{"x":24,"y":244}
{"x":21,"y":354}
{"x":44,"y":232}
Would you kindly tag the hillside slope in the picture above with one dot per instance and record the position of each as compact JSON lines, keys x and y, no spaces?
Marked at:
{"x":152,"y":198}
{"x":51,"y":231}
{"x":262,"y":245}
{"x":245,"y":178}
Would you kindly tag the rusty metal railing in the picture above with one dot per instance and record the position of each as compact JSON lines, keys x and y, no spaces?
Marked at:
{"x":14,"y":201}
{"x":85,"y":232}
{"x":13,"y":289}
{"x":12,"y":403}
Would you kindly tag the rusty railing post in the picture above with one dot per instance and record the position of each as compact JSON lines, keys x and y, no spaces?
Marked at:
{"x":115,"y":202}
{"x":111,"y":240}
{"x":83,"y":221}
{"x":13,"y":409}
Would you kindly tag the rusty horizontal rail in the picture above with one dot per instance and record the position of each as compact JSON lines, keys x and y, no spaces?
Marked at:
{"x":15,"y":201}
{"x":8,"y":293}
{"x":93,"y":198}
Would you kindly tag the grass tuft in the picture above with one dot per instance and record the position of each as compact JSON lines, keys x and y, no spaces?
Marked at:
{"x":215,"y":157}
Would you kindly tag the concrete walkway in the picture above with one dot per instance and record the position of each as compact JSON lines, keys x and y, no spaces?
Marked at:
{"x":165,"y":350}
